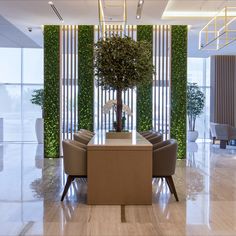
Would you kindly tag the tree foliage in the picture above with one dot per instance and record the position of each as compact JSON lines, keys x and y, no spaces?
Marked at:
{"x":122,"y":63}
{"x":38,"y":97}
{"x":195,"y":104}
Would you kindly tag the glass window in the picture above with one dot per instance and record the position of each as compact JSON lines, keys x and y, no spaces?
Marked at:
{"x":10,"y":111}
{"x":30,"y":112}
{"x":195,"y":70}
{"x":21,"y":73}
{"x":33,"y":66}
{"x":199,"y":72}
{"x":10,"y":65}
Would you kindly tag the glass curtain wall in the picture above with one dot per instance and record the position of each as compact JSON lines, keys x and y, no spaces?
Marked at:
{"x":199,"y":72}
{"x":21,"y":73}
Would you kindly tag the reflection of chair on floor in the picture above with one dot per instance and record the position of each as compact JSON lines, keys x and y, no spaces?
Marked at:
{"x":164,"y":162}
{"x":222,"y":132}
{"x":75,"y":162}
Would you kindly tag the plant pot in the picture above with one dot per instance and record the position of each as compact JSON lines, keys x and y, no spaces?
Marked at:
{"x":39,"y":130}
{"x":1,"y":129}
{"x":192,"y":136}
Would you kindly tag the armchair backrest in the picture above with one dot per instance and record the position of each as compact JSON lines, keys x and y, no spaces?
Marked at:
{"x":151,"y":135}
{"x":164,"y":158}
{"x":81,"y":138}
{"x":147,"y":132}
{"x":81,"y":145}
{"x":156,"y":139}
{"x":222,"y":131}
{"x":75,"y":158}
{"x":87,"y":131}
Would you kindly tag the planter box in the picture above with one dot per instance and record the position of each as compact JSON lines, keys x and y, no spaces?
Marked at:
{"x":119,"y":135}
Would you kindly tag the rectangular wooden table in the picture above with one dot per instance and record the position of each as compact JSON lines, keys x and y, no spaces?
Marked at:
{"x":119,"y":170}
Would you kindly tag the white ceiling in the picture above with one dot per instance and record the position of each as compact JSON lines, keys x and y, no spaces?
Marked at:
{"x":11,"y":36}
{"x":34,"y":13}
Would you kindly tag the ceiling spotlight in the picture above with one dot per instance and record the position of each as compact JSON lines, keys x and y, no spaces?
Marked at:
{"x":56,"y":11}
{"x":139,"y":9}
{"x":141,"y":2}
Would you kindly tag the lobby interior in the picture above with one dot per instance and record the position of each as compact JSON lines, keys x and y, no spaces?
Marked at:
{"x":49,"y":47}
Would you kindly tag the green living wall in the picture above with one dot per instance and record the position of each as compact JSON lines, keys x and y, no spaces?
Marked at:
{"x":86,"y":76}
{"x":51,"y":91}
{"x":144,"y":91}
{"x":179,"y":87}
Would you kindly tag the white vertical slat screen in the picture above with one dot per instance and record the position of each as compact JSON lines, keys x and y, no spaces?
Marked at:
{"x":161,"y":80}
{"x":69,"y":77}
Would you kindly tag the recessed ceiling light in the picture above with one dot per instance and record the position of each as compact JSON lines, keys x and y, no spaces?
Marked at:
{"x":50,"y":3}
{"x":138,"y":17}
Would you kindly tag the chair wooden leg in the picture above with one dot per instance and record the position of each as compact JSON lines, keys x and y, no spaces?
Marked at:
{"x":169,"y":185}
{"x":70,"y":178}
{"x":171,"y":182}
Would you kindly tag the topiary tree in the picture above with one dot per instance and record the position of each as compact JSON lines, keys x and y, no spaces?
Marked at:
{"x":195,"y":104}
{"x":120,"y":64}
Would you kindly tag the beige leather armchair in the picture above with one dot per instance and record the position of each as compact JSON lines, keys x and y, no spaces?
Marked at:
{"x":155,"y":139}
{"x":222,"y":132}
{"x":164,"y":162}
{"x":143,"y":133}
{"x":150,"y":135}
{"x":81,"y":138}
{"x":87,"y":131}
{"x":75,"y":162}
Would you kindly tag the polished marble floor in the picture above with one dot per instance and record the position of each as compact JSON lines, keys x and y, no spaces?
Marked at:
{"x":30,"y":189}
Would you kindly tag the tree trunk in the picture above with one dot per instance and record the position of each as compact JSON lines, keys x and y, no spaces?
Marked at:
{"x":194,"y":120}
{"x":119,"y":110}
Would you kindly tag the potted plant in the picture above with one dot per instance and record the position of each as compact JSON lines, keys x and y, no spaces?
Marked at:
{"x":195,"y":105}
{"x":113,"y":104}
{"x":121,"y":64}
{"x":37,"y":99}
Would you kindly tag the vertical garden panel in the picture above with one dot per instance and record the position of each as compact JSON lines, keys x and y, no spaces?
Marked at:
{"x":86,"y":76}
{"x":51,"y":91}
{"x":144,"y":91}
{"x":179,"y":87}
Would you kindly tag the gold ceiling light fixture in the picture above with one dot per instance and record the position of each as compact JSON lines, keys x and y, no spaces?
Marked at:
{"x":112,"y":12}
{"x":51,"y":4}
{"x":220,"y":31}
{"x":139,"y":9}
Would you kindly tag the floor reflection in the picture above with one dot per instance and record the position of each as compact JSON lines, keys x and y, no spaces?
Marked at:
{"x":31,"y":187}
